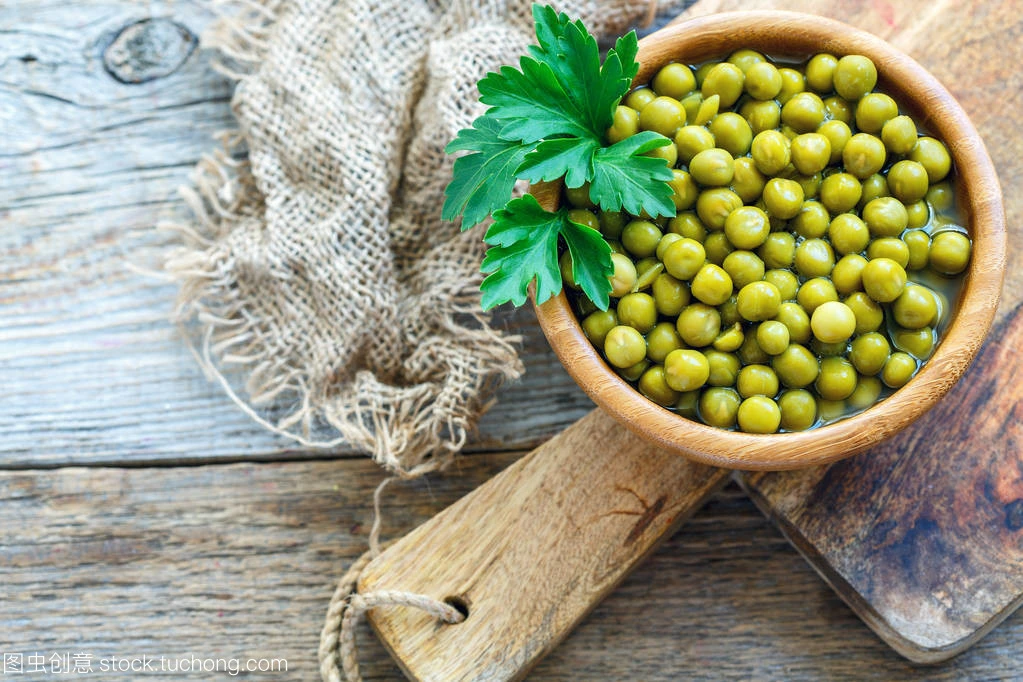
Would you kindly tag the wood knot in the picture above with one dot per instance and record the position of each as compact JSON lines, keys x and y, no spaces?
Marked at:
{"x":148,"y":49}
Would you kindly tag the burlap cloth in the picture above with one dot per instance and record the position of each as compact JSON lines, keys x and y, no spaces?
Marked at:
{"x":319,"y":283}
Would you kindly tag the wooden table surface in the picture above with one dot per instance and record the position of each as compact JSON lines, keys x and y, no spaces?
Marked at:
{"x":142,"y":514}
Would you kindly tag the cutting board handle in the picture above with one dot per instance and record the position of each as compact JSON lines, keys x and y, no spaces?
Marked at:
{"x":532,"y":551}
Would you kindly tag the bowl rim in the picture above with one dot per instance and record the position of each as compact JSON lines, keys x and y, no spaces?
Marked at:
{"x":792,"y":33}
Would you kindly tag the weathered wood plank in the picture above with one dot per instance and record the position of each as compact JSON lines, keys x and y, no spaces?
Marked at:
{"x":240,"y":560}
{"x":88,"y":166}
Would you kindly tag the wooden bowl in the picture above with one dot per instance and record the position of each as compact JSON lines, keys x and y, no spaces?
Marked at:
{"x":921,"y":95}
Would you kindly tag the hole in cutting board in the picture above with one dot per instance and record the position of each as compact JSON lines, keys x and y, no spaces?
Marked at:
{"x":459,"y":605}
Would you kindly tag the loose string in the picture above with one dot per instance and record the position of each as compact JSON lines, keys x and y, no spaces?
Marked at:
{"x":338,"y":658}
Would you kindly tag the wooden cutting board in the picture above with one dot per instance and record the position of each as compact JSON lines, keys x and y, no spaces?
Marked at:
{"x":923,"y":537}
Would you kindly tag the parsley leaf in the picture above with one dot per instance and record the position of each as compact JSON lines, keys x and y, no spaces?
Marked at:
{"x":548,"y":119}
{"x":483,"y":180}
{"x":563,"y":156}
{"x":624,"y":180}
{"x":524,"y":247}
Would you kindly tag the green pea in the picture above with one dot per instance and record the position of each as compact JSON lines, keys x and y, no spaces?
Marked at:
{"x":724,"y":368}
{"x":747,"y":181}
{"x":732,"y":133}
{"x":683,"y":189}
{"x":838,"y":134}
{"x":624,"y":346}
{"x":899,"y":135}
{"x":711,"y":285}
{"x":854,"y":76}
{"x":883,"y":279}
{"x":832,"y":322}
{"x":899,"y":369}
{"x":837,"y":379}
{"x":664,"y":115}
{"x":565,"y":266}
{"x":640,"y":238}
{"x":886,"y":217}
{"x":869,"y":314}
{"x":691,"y":140}
{"x":796,"y":366}
{"x":653,"y":384}
{"x":759,"y":301}
{"x":810,"y":184}
{"x":840,"y":192}
{"x":874,"y":187}
{"x":718,"y":247}
{"x":624,"y":277}
{"x":804,"y":112}
{"x":726,"y":81}
{"x":579,"y":197}
{"x":917,"y":342}
{"x":712,"y":167}
{"x":820,"y":72}
{"x":624,"y":124}
{"x":661,"y":340}
{"x":831,"y":410}
{"x":674,"y":80}
{"x":761,"y":116}
{"x":919,"y":244}
{"x":919,"y":214}
{"x":730,"y":340}
{"x":771,"y":152}
{"x":814,"y":258}
{"x":750,"y":352}
{"x":863,"y":155}
{"x":778,"y":250}
{"x":941,"y":197}
{"x":709,"y":108}
{"x":688,"y":403}
{"x":773,"y":337}
{"x":686,"y":370}
{"x":798,"y":410}
{"x":611,"y":224}
{"x":796,"y":320}
{"x":670,"y":295}
{"x":684,"y":257}
{"x":743,"y":267}
{"x":848,"y":234}
{"x":786,"y":282}
{"x":688,"y":224}
{"x":838,"y":109}
{"x":745,"y":59}
{"x":792,"y":82}
{"x":824,"y":350}
{"x":698,"y":324}
{"x":868,"y":390}
{"x":639,"y":98}
{"x":637,"y":310}
{"x":668,"y":152}
{"x":758,"y":414}
{"x":811,"y":153}
{"x":691,"y":103}
{"x":847,"y":275}
{"x":634,"y":372}
{"x":757,"y":380}
{"x":933,"y":156}
{"x":715,"y":204}
{"x":916,"y":307}
{"x":783,"y":198}
{"x":719,"y":407}
{"x":874,"y":110}
{"x":889,"y":247}
{"x":950,"y":252}
{"x":667,"y":240}
{"x":869,"y":352}
{"x":812,"y":221}
{"x":815,"y":292}
{"x":763,"y":82}
{"x":747,"y":227}
{"x":908,"y":181}
{"x":597,"y":324}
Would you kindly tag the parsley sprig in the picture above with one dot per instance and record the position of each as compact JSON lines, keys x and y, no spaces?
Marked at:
{"x":548,"y":120}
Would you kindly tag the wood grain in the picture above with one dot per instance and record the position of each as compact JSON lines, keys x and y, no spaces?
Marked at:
{"x":533,"y":551}
{"x":240,"y":560}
